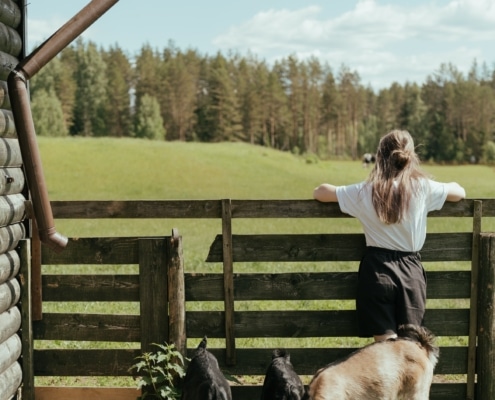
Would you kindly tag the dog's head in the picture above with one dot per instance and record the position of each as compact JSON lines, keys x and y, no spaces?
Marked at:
{"x":281,"y":381}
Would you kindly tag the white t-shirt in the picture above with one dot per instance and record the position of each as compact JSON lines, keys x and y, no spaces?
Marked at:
{"x":410,"y":234}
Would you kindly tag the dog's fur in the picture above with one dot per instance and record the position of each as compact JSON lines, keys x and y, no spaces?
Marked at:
{"x":395,"y":369}
{"x":281,"y":381}
{"x":204,"y":380}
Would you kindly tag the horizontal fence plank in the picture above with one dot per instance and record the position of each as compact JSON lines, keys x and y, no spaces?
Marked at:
{"x":438,"y":391}
{"x":90,"y":287}
{"x":97,"y":362}
{"x":332,"y":247}
{"x":88,"y":327}
{"x":248,"y":324}
{"x":112,"y":250}
{"x":331,"y":323}
{"x":240,"y":209}
{"x":92,"y":362}
{"x":137,"y":209}
{"x":311,"y":286}
{"x":272,"y":287}
{"x":306,"y":361}
{"x":85,"y":393}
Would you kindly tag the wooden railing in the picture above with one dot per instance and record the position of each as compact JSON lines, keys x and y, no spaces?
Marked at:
{"x":233,"y":323}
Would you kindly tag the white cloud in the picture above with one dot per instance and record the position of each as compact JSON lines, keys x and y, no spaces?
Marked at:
{"x":40,"y":30}
{"x":379,"y":39}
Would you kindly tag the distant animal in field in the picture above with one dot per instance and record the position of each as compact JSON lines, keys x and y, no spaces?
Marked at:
{"x":394,"y":369}
{"x":281,"y":381}
{"x":368,"y":159}
{"x":204,"y":380}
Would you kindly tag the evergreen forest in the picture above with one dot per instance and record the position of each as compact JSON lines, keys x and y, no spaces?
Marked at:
{"x":300,"y":106}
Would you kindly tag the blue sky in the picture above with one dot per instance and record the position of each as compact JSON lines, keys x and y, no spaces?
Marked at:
{"x":385,"y":41}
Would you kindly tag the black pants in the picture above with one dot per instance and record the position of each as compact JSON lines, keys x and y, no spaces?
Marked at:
{"x":391,"y":291}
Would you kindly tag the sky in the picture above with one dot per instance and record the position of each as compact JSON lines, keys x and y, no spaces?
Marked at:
{"x":384,"y":41}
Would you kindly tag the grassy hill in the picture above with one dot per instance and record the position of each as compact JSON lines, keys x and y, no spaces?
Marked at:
{"x":118,"y":169}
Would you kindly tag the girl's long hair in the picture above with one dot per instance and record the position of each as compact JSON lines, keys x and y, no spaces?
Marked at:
{"x":395,"y":177}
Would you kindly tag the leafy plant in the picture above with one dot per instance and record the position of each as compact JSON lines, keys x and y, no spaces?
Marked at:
{"x":158,"y":371}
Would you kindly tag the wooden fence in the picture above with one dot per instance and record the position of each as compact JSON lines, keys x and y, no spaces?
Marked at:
{"x":164,"y":291}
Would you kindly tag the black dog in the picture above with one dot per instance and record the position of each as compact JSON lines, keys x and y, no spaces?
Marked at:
{"x":204,"y":380}
{"x":281,"y":381}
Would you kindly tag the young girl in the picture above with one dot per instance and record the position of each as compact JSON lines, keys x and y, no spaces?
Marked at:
{"x":392,"y":206}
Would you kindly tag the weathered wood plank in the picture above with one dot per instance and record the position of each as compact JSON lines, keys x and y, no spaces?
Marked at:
{"x":153,"y":293}
{"x":307,"y":361}
{"x":331,"y":323}
{"x":240,"y":209}
{"x":311,"y":286}
{"x":272,"y":287}
{"x":94,"y":251}
{"x":228,"y":281}
{"x":26,"y":320}
{"x":137,"y":209}
{"x":296,"y":323}
{"x":176,"y":293}
{"x":85,"y":393}
{"x":90,"y":287}
{"x":88,"y":327}
{"x":94,"y":362}
{"x":486,"y":318}
{"x":439,"y":391}
{"x":332,"y":247}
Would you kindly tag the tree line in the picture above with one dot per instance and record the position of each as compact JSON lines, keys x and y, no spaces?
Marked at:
{"x":301,"y":106}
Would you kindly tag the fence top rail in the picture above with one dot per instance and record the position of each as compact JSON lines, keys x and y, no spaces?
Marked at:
{"x":183,"y":209}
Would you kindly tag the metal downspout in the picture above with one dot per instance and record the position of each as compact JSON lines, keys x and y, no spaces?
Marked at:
{"x":21,"y":109}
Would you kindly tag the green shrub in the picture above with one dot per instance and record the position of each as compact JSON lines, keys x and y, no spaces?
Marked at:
{"x":158,"y":371}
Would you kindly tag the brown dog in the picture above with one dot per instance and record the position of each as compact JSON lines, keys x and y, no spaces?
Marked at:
{"x":395,"y":369}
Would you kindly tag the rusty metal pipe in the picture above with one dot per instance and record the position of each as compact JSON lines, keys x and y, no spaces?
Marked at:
{"x":21,"y":110}
{"x":32,"y":163}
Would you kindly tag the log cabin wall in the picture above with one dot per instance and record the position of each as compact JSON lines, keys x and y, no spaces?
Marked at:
{"x":13,"y":193}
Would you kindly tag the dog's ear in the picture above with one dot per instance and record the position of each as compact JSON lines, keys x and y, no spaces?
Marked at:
{"x":203,"y":343}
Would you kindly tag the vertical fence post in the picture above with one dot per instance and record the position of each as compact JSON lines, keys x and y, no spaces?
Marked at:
{"x":176,"y":293}
{"x":26,"y":321}
{"x":228,"y":282}
{"x":473,"y":304}
{"x":486,"y":319}
{"x":153,"y":293}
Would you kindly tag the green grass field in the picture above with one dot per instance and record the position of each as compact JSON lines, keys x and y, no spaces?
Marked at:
{"x":131,"y":169}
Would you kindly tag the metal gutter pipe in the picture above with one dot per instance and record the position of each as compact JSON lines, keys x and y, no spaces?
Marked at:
{"x":21,"y":110}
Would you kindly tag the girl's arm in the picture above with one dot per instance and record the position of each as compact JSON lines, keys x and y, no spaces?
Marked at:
{"x":455,"y":192}
{"x":325,"y":193}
